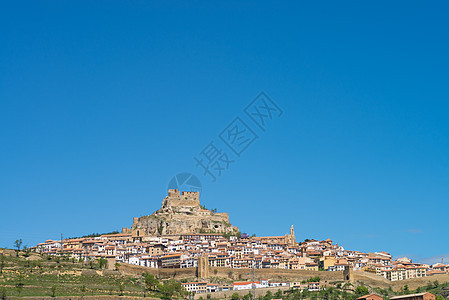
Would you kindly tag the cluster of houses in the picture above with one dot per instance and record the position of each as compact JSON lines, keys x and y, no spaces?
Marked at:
{"x":206,"y":287}
{"x":418,"y":296}
{"x":278,"y":252}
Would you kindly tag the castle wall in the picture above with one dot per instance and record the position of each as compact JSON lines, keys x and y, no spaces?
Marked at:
{"x":184,"y":202}
{"x":194,"y":195}
{"x":275,"y":274}
{"x":175,"y":198}
{"x":235,"y":274}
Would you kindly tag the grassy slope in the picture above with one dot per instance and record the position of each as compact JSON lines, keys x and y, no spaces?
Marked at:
{"x":38,"y":276}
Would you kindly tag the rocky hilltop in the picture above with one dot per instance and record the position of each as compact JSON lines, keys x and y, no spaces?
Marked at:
{"x":182,"y":213}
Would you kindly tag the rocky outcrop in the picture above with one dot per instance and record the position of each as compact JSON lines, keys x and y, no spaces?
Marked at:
{"x":182,"y":213}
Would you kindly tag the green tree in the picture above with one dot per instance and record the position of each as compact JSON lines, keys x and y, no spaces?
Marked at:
{"x":305,"y":294}
{"x":102,"y":263}
{"x":329,"y":293}
{"x":18,"y":245}
{"x":121,"y":288}
{"x":167,"y":291}
{"x":361,"y":291}
{"x":235,"y":296}
{"x":278,"y":294}
{"x":314,"y":279}
{"x":346,"y":296}
{"x":436,"y":283}
{"x":406,"y":290}
{"x":3,"y":294}
{"x":247,"y":296}
{"x":83,"y":290}
{"x":53,"y":291}
{"x":19,"y":288}
{"x":268,"y":296}
{"x":91,"y":264}
{"x":117,"y":266}
{"x":20,"y":283}
{"x":150,"y":281}
{"x":171,"y":288}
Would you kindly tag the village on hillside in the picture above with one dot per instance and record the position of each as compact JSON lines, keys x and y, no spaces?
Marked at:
{"x":228,"y":249}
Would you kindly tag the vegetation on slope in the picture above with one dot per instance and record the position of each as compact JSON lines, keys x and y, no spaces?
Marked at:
{"x":29,"y":275}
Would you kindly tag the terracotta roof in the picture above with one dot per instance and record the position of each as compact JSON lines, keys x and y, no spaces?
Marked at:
{"x":245,"y":282}
{"x":409,"y":296}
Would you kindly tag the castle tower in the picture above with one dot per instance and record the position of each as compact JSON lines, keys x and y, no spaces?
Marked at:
{"x":348,"y":274}
{"x":203,"y":267}
{"x":292,"y":235}
{"x":176,"y":199}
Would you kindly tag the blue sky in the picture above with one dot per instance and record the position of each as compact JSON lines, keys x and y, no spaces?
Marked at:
{"x":101,"y":103}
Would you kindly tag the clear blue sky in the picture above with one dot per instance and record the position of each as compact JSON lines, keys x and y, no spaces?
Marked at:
{"x":101,"y":103}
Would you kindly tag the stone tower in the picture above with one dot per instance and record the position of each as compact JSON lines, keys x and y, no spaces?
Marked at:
{"x":203,"y":267}
{"x":290,"y":238}
{"x":176,"y":198}
{"x":348,"y":274}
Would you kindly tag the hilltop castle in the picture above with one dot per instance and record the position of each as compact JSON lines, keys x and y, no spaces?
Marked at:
{"x":176,"y":199}
{"x":181,"y":213}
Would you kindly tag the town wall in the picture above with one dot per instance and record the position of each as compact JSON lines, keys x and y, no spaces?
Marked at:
{"x":377,"y":281}
{"x":235,"y":274}
{"x":275,"y":274}
{"x":176,"y":273}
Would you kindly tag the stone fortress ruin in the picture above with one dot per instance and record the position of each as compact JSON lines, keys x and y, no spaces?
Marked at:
{"x":177,"y":199}
{"x":181,"y":213}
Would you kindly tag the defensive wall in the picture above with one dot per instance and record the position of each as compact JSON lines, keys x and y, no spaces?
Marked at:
{"x":377,"y":281}
{"x":176,"y":273}
{"x":234,"y":274}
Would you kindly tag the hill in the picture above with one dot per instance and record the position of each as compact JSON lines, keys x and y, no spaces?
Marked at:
{"x":29,"y":274}
{"x":182,"y":213}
